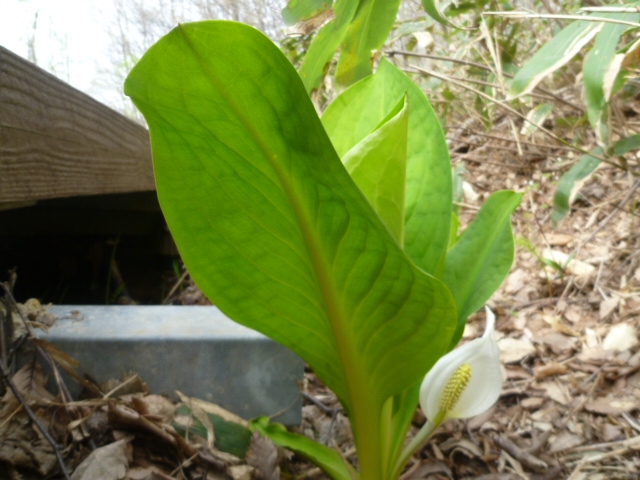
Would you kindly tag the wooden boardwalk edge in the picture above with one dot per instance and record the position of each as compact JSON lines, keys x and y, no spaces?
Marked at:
{"x":56,"y":141}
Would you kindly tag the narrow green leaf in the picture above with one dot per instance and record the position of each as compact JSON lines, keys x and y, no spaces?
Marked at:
{"x":567,"y":188}
{"x":570,"y":183}
{"x":600,"y":68}
{"x":272,"y":227}
{"x":553,"y":55}
{"x":303,"y":10}
{"x":368,"y":31}
{"x":432,"y":7}
{"x":481,"y":259}
{"x":325,"y":44}
{"x":536,"y":116}
{"x":378,"y":165}
{"x":324,"y":457}
{"x":428,"y":196}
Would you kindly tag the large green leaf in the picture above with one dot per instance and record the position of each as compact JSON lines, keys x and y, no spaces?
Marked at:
{"x":274,"y":230}
{"x":428,"y":196}
{"x":553,"y":55}
{"x":600,"y":68}
{"x":326,"y":42}
{"x":378,"y":165}
{"x":368,"y":31}
{"x":481,"y":259}
{"x":329,"y":460}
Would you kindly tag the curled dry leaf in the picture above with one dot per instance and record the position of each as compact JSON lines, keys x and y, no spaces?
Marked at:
{"x":105,"y":463}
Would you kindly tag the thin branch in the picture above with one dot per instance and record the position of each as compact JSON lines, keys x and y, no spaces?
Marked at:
{"x":480,"y":134}
{"x":511,"y":110}
{"x":391,"y":53}
{"x":34,"y":418}
{"x":561,"y":17}
{"x":610,"y":9}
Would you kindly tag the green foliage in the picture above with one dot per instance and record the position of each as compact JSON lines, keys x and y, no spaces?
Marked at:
{"x":277,"y":233}
{"x":601,"y":68}
{"x":553,"y":55}
{"x":570,"y":182}
{"x":603,"y":75}
{"x":481,"y":259}
{"x":359,"y":27}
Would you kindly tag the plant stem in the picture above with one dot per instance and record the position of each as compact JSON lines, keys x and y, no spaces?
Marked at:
{"x":417,"y":443}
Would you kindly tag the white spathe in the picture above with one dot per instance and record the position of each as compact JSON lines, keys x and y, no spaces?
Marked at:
{"x":481,"y":390}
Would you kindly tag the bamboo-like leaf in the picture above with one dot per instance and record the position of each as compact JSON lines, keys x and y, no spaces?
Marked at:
{"x":273,"y":229}
{"x":432,"y":7}
{"x":378,"y":165}
{"x":303,"y":10}
{"x":536,"y":118}
{"x":553,"y":55}
{"x":325,"y":44}
{"x":600,"y":68}
{"x":481,"y":259}
{"x":368,"y":31}
{"x":571,"y":182}
{"x":428,"y":196}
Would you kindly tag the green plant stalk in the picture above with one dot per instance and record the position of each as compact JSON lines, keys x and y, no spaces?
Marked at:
{"x":416,"y":443}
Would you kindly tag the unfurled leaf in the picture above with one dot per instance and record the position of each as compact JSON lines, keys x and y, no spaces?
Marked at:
{"x":272,"y":227}
{"x":368,"y":31}
{"x":378,"y":165}
{"x":481,"y":259}
{"x":428,"y":196}
{"x":553,"y":55}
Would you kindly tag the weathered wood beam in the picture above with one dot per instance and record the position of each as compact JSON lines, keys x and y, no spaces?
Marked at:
{"x":56,"y":141}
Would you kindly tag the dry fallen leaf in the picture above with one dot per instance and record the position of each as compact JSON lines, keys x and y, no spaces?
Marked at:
{"x":514,"y":350}
{"x":105,"y":463}
{"x":612,"y":406}
{"x":550,"y":370}
{"x":263,"y":456}
{"x":621,"y":337}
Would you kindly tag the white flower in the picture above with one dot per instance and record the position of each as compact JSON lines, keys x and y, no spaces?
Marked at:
{"x":466,"y":381}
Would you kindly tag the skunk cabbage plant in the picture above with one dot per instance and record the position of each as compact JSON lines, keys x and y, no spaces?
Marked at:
{"x":332,"y":236}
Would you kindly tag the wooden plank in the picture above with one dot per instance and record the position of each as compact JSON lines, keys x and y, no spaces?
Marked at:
{"x":56,"y":141}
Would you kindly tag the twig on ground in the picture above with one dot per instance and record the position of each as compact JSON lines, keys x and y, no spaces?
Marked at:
{"x":182,"y":278}
{"x":523,"y":456}
{"x":6,"y":379}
